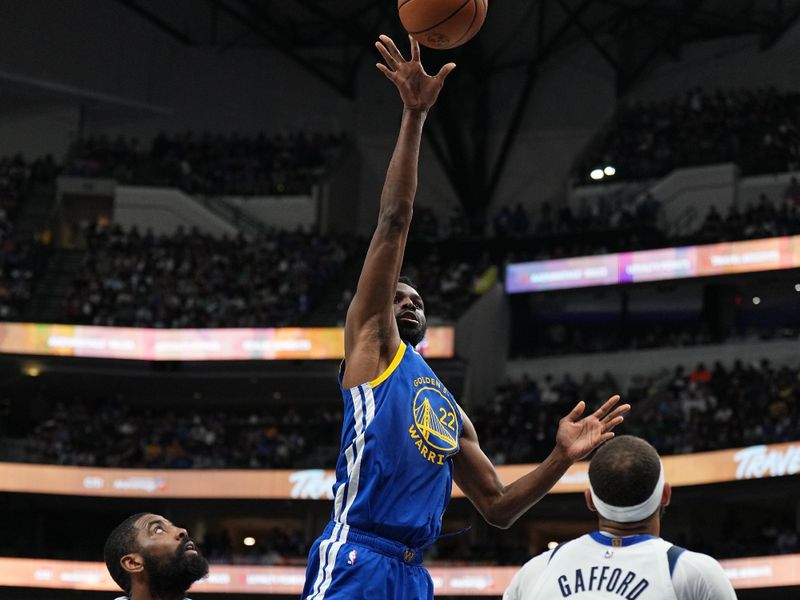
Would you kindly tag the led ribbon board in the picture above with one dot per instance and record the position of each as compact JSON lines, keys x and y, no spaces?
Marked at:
{"x":727,"y":258}
{"x":756,"y":572}
{"x":753,"y":462}
{"x":128,"y":343}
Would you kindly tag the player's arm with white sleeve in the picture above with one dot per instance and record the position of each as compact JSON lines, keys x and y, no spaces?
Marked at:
{"x":699,"y":577}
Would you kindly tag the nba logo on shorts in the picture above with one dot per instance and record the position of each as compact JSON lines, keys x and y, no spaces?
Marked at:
{"x":351,"y":558}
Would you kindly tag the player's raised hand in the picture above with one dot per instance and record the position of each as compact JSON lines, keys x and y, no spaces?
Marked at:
{"x":417,"y":89}
{"x":578,"y":436}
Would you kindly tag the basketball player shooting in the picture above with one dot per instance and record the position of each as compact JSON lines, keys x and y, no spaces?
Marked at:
{"x":404,"y":437}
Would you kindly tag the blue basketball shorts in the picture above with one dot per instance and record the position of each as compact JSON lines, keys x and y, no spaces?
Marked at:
{"x":348,"y":564}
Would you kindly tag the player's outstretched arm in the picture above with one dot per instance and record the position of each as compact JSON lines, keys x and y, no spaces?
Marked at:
{"x":501,"y":505}
{"x":371,"y":336}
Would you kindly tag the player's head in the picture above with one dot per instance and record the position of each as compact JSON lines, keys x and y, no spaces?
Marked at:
{"x":627,"y":482}
{"x":146,"y":550}
{"x":409,"y":311}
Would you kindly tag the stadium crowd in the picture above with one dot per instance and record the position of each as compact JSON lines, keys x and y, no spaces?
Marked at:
{"x":211,"y":164}
{"x":112,"y":433}
{"x":602,"y":213}
{"x":685,"y":411}
{"x":762,"y":219}
{"x":758,"y":129}
{"x":192,"y":279}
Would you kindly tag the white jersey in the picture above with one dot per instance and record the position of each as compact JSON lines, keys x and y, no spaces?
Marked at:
{"x":638,"y":567}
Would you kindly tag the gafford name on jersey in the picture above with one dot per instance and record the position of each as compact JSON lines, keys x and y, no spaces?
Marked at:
{"x":625,"y":584}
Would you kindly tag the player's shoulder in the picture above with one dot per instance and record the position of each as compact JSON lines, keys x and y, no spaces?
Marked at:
{"x":697,"y":563}
{"x":527,"y":574}
{"x":700,"y":576}
{"x":538,"y":561}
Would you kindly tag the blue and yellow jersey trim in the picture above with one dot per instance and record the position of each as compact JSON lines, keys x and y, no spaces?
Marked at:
{"x":398,"y":357}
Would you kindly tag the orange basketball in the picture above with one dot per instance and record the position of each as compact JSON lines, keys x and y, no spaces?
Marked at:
{"x":442,"y":24}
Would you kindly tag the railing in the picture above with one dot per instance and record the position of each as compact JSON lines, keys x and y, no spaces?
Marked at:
{"x":684,"y":224}
{"x":244,"y":222}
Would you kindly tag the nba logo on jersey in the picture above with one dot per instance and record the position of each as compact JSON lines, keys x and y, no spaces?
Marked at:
{"x":351,"y":558}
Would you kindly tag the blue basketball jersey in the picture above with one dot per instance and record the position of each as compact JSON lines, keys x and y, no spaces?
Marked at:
{"x":394,"y":474}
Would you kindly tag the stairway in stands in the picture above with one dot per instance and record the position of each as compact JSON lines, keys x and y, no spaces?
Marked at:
{"x":47,"y":304}
{"x":56,"y":268}
{"x":34,"y":213}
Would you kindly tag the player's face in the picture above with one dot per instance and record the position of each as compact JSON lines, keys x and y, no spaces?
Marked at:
{"x":171,"y":559}
{"x":409,"y":310}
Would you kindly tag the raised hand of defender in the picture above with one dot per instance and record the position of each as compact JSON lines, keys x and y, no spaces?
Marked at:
{"x":417,"y":89}
{"x":577,"y":437}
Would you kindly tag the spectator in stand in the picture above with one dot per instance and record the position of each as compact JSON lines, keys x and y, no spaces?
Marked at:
{"x":792,"y":192}
{"x":503,"y":222}
{"x":519,"y":221}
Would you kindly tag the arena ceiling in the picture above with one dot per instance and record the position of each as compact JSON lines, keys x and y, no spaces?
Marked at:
{"x":331,"y":39}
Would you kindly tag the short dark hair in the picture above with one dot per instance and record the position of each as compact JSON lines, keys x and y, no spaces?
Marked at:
{"x":408,"y":281}
{"x":624,"y":471}
{"x":120,"y":542}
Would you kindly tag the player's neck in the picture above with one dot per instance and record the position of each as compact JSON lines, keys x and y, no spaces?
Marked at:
{"x":142,"y":592}
{"x":651,"y":526}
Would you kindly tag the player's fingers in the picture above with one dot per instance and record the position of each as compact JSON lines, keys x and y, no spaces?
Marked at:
{"x":386,"y":56}
{"x":390,"y":45}
{"x":608,"y":426}
{"x":576,"y":412}
{"x":445,"y":71}
{"x":620,"y":410}
{"x":385,"y":70}
{"x":607,"y":406}
{"x":414,"y":48}
{"x":606,"y":436}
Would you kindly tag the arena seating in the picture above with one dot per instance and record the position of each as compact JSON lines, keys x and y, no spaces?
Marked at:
{"x":191,"y":279}
{"x":758,"y":129}
{"x":692,"y":409}
{"x":210,"y":164}
{"x":706,"y":407}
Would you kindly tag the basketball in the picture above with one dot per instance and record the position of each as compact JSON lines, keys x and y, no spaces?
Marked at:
{"x":442,"y":24}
